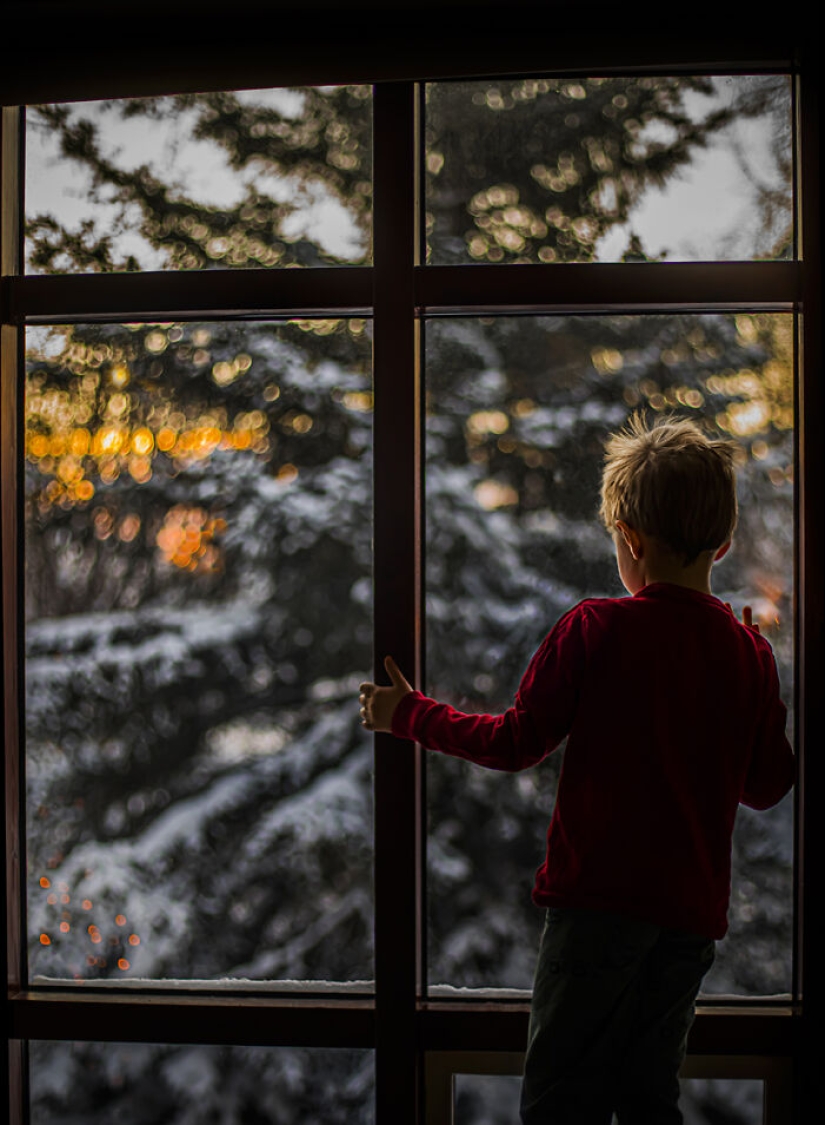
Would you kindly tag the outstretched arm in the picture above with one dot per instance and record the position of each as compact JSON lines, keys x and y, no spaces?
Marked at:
{"x":507,"y":741}
{"x":535,"y":724}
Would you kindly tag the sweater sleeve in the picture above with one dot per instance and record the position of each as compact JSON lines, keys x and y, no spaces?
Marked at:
{"x":772,"y":770}
{"x":538,"y":720}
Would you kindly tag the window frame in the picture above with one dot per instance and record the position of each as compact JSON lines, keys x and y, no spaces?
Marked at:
{"x":400,"y":1022}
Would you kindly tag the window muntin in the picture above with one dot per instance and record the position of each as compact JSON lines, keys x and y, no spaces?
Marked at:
{"x":517,"y":412}
{"x":198,"y":595}
{"x":609,"y":169}
{"x":254,"y":178}
{"x":144,"y":1083}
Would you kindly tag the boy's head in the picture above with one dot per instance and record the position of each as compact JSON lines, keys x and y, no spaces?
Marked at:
{"x":671,"y":482}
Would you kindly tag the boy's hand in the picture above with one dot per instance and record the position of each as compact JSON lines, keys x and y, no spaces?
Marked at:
{"x":747,"y":617}
{"x":378,"y":704}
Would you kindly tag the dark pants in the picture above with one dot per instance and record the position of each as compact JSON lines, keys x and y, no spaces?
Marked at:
{"x":613,"y":1002}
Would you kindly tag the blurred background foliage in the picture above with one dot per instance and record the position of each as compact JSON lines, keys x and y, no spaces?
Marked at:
{"x":277,"y":150}
{"x":543,"y":169}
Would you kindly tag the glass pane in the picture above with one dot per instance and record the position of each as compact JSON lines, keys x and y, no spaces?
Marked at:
{"x":739,"y":1101}
{"x":198,"y":604}
{"x":517,"y":413}
{"x":486,"y":1099}
{"x":144,"y":1084}
{"x":200,"y":181}
{"x":609,"y":169}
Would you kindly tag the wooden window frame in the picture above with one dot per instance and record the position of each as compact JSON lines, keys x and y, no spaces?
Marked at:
{"x":401,"y":1024}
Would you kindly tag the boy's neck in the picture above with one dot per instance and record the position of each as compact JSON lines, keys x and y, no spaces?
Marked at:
{"x":660,"y":565}
{"x":695,"y":576}
{"x":643,"y":560}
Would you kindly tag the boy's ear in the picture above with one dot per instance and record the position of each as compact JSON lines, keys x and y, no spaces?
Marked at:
{"x":723,"y":550}
{"x":631,"y":538}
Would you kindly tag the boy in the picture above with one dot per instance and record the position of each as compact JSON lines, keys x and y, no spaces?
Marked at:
{"x":672,"y":716}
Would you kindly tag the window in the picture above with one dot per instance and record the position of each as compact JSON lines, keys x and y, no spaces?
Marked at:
{"x":198,"y":523}
{"x":516,"y":412}
{"x":198,"y":560}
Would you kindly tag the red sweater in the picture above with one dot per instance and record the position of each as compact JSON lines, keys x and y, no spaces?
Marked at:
{"x":672,"y":716}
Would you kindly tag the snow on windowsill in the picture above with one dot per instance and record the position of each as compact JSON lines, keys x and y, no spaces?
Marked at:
{"x":225,"y":984}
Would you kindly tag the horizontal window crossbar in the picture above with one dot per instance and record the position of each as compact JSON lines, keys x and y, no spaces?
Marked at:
{"x":325,"y":1022}
{"x":608,"y":287}
{"x":250,"y":294}
{"x":169,"y":295}
{"x":725,"y":1031}
{"x":342,"y":53}
{"x":237,"y":1020}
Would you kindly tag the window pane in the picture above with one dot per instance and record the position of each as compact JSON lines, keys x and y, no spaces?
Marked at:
{"x":518,"y":410}
{"x":144,"y":1084}
{"x":609,"y":169}
{"x":198,"y":602}
{"x":246,"y":179}
{"x":486,"y":1099}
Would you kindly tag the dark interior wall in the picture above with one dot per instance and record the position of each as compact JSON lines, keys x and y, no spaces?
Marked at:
{"x":64,"y":50}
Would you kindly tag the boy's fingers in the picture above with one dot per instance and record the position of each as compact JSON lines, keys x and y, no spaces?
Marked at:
{"x":394,"y":672}
{"x":747,"y":619}
{"x":366,"y":719}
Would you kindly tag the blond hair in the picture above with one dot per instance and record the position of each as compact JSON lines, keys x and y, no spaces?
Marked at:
{"x":672,"y":482}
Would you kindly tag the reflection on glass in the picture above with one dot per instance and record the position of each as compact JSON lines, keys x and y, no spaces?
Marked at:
{"x":486,"y":1099}
{"x":198,"y":604}
{"x":144,"y":1084}
{"x":609,"y":169}
{"x":517,"y":413}
{"x":256,"y":178}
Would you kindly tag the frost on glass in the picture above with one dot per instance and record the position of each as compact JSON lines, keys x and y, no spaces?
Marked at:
{"x":518,"y":410}
{"x":609,"y":169}
{"x":486,"y":1099}
{"x":198,"y":615}
{"x":256,"y":178}
{"x":145,"y":1084}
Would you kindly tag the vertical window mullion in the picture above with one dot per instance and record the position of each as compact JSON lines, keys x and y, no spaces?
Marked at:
{"x":11,"y":945}
{"x":396,"y":583}
{"x":810,"y":825}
